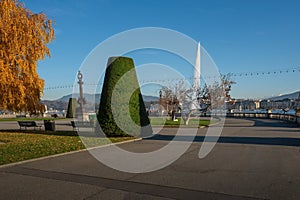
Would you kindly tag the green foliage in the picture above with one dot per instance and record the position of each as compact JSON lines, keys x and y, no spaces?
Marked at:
{"x":71,"y":108}
{"x":121,"y":101}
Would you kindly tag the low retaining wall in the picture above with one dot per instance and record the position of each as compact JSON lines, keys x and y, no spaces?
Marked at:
{"x":287,"y":117}
{"x":8,"y":116}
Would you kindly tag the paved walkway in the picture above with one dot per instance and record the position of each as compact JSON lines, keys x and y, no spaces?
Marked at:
{"x":254,"y":159}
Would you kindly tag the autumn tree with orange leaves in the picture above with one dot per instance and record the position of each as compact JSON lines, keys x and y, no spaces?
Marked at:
{"x":23,"y":39}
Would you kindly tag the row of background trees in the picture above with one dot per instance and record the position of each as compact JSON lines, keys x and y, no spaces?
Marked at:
{"x":191,"y":99}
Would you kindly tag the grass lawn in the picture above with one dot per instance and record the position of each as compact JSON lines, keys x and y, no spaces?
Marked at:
{"x":23,"y":145}
{"x":18,"y":146}
{"x":159,"y":121}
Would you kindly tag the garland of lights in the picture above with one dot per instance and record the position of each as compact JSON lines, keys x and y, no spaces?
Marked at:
{"x":238,"y":74}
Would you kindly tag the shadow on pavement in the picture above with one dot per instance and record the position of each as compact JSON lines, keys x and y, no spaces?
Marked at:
{"x":281,"y":141}
{"x":250,"y":122}
{"x":273,"y":123}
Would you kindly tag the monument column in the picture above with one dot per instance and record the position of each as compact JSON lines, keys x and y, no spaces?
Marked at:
{"x":81,"y":100}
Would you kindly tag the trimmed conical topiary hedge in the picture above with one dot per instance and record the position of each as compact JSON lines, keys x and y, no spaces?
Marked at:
{"x":72,"y":108}
{"x":122,"y":111}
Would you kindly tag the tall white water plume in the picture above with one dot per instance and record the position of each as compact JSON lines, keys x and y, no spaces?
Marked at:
{"x":196,"y":82}
{"x":197,"y":68}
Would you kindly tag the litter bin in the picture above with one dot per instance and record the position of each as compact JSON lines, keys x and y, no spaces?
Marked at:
{"x":49,"y":125}
{"x":93,"y":119}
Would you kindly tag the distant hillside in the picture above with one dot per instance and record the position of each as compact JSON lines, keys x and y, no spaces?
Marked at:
{"x":147,"y":98}
{"x":56,"y":105}
{"x":293,"y":95}
{"x":88,"y":97}
{"x":96,"y":97}
{"x":62,"y":103}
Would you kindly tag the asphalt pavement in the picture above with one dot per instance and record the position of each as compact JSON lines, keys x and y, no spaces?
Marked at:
{"x":253,"y":159}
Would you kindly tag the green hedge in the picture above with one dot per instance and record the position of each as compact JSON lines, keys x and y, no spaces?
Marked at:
{"x":122,"y":87}
{"x":72,"y":108}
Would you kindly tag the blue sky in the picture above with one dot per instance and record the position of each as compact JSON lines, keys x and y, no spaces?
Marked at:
{"x":240,"y":36}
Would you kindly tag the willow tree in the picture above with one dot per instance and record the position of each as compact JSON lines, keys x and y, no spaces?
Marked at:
{"x":23,"y":39}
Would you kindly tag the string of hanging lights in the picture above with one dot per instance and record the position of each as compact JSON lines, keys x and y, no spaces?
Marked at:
{"x":232,"y":74}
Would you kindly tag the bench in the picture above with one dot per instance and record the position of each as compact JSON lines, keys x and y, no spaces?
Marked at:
{"x":82,"y":124}
{"x":26,"y":124}
{"x":20,"y":116}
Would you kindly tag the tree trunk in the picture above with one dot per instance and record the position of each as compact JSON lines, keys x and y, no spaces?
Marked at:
{"x":186,"y":121}
{"x":186,"y":118}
